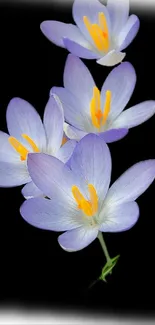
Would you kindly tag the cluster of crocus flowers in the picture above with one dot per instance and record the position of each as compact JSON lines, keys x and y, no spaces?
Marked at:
{"x":101,"y":32}
{"x":65,"y":161}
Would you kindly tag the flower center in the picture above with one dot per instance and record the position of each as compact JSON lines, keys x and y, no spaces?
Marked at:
{"x":88,"y":207}
{"x":97,"y":116}
{"x":20,"y":148}
{"x":98,"y":32}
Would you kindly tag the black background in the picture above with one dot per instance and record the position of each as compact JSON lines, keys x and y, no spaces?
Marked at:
{"x":34,"y":270}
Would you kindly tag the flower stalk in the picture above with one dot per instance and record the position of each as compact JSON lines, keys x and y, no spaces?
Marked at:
{"x":104,"y":247}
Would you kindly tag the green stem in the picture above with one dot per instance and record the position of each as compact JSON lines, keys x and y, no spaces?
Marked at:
{"x":104,"y":247}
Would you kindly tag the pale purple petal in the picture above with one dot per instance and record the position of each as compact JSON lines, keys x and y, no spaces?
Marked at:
{"x":30,"y":190}
{"x":74,"y":113}
{"x":113,"y":135}
{"x":121,"y":82}
{"x":131,"y":184}
{"x":22,"y":118}
{"x":77,"y":239}
{"x":120,"y":217}
{"x":13,"y":174}
{"x":53,"y":123}
{"x":73,"y":133}
{"x":52,"y":177}
{"x":7,"y":153}
{"x":135,"y":115}
{"x":55,"y":31}
{"x":78,"y":80}
{"x":129,"y":32}
{"x":85,"y":52}
{"x":91,"y":160}
{"x":49,"y":214}
{"x":118,"y":11}
{"x":90,"y":9}
{"x":111,"y":58}
{"x":65,"y":152}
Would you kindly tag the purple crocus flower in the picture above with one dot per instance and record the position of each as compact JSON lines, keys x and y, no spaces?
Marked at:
{"x":81,"y":203}
{"x":100,"y":32}
{"x":28,"y":134}
{"x":87,"y":110}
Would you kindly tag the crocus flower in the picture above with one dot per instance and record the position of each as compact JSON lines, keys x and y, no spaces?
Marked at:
{"x":81,"y":203}
{"x":87,"y":110}
{"x":28,"y":134}
{"x":100,"y":32}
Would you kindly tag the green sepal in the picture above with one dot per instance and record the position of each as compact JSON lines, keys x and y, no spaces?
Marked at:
{"x":107,"y":269}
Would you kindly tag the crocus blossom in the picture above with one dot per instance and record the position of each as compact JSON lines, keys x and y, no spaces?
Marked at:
{"x":101,"y":32}
{"x":81,"y":203}
{"x":28,"y":134}
{"x":89,"y":110}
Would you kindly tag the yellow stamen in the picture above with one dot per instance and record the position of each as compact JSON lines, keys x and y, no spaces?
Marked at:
{"x":64,"y":140}
{"x":93,"y":197}
{"x":97,"y":116}
{"x":104,"y":27}
{"x":98,"y":32}
{"x":107,"y":106}
{"x":95,"y":108}
{"x":88,"y":207}
{"x":94,"y":119}
{"x":31,"y":142}
{"x":18,"y":147}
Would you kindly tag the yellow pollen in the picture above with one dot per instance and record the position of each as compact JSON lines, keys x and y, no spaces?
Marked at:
{"x":98,"y":32}
{"x":97,"y":116}
{"x":88,"y":207}
{"x":23,"y":152}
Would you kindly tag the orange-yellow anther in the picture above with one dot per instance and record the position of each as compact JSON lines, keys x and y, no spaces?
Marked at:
{"x":93,"y":197}
{"x":64,"y":140}
{"x":23,"y":152}
{"x":95,"y":108}
{"x":107,"y":106}
{"x":89,"y":207}
{"x":104,"y":28}
{"x":98,"y":32}
{"x":98,"y":116}
{"x":18,"y":147}
{"x":31,"y":142}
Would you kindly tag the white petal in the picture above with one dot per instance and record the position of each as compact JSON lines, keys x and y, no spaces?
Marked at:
{"x":118,"y":11}
{"x":53,"y":123}
{"x":128,"y":33}
{"x":73,"y":133}
{"x":78,"y":80}
{"x":13,"y":174}
{"x":119,"y":217}
{"x":30,"y":190}
{"x":111,"y":58}
{"x":135,"y":115}
{"x":23,"y":118}
{"x":65,"y":152}
{"x":7,"y":153}
{"x":77,"y":239}
{"x":121,"y":82}
{"x":131,"y":184}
